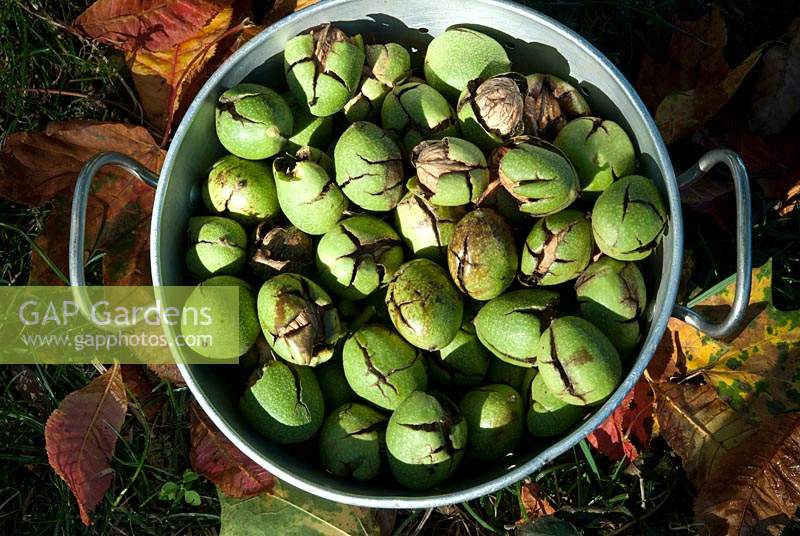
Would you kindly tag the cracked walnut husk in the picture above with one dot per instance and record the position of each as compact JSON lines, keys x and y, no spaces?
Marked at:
{"x":299,"y":319}
{"x":558,"y":249}
{"x":490,"y":111}
{"x":241,"y":189}
{"x":280,"y":249}
{"x":549,"y":104}
{"x":381,"y":367}
{"x":450,"y":171}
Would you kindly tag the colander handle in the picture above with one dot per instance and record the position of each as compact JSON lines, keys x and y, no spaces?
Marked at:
{"x":80,"y":200}
{"x":733,"y":323}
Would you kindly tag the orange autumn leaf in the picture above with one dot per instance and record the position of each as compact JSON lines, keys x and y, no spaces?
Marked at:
{"x":146,"y":24}
{"x":161,"y":77}
{"x":80,"y":437}
{"x":535,"y":502}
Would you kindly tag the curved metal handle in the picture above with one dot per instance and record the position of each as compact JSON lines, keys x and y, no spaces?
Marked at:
{"x":80,"y":201}
{"x":732,"y":324}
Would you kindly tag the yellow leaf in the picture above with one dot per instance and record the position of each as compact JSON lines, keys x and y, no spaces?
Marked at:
{"x":162,"y":77}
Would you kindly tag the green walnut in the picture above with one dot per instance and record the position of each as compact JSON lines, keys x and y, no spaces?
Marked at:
{"x":426,"y":228}
{"x":462,"y":363}
{"x":504,"y":372}
{"x":495,"y":417}
{"x":232,"y":333}
{"x":549,"y":416}
{"x":558,"y":248}
{"x":280,"y":249}
{"x":308,"y":196}
{"x":242,"y":189}
{"x":333,"y":383}
{"x":510,"y":325}
{"x":612,"y":295}
{"x":629,"y":219}
{"x":539,"y":177}
{"x":323,"y":68}
{"x":369,"y":167}
{"x":284,"y":403}
{"x":253,"y":121}
{"x":381,"y":367}
{"x":298,"y":318}
{"x":491,"y":111}
{"x":424,"y":305}
{"x":550,"y":104}
{"x":387,"y":66}
{"x":217,"y":246}
{"x":358,"y":255}
{"x":415,"y":111}
{"x":450,"y":171}
{"x":309,"y":129}
{"x":425,"y":440}
{"x":577,"y":362}
{"x":351,"y":441}
{"x":482,"y":256}
{"x":459,"y":55}
{"x":600,"y":150}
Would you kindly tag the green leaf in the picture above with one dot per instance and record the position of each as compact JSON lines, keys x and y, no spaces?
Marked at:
{"x":192,"y":498}
{"x":289,"y":511}
{"x":168,"y":491}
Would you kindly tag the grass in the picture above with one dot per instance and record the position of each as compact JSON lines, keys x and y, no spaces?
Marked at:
{"x":48,"y":73}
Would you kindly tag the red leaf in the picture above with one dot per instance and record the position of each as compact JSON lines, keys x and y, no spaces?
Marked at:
{"x":41,"y":167}
{"x":142,"y":387}
{"x":81,"y":434}
{"x":147,"y":24}
{"x":628,"y":429}
{"x":216,"y":458}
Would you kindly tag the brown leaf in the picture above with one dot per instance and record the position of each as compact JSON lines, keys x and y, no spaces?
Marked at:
{"x":682,"y":113}
{"x":777,"y":93}
{"x":215,"y":457}
{"x":168,"y":373}
{"x":695,"y":58}
{"x":161,"y":77}
{"x":81,"y":434}
{"x":535,"y":502}
{"x":698,"y":426}
{"x":628,"y":429}
{"x":281,"y":8}
{"x":41,"y":167}
{"x":138,"y":381}
{"x":151,"y":25}
{"x":757,"y":489}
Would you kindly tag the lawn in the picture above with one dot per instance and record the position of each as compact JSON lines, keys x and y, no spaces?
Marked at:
{"x":50,"y":72}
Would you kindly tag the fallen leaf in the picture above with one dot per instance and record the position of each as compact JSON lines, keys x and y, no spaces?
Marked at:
{"x":694,"y":58}
{"x":535,"y":502}
{"x":698,"y":426}
{"x":282,"y":8}
{"x":680,"y":114}
{"x":151,"y":25}
{"x":288,"y":510}
{"x":757,"y":489}
{"x":758,"y":372}
{"x":776,"y":98}
{"x":168,"y":373}
{"x":161,"y":77}
{"x":145,"y":398}
{"x":41,"y":167}
{"x":215,"y":457}
{"x":80,"y":437}
{"x":627,"y":430}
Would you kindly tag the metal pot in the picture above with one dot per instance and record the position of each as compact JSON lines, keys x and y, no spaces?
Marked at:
{"x":535,"y":43}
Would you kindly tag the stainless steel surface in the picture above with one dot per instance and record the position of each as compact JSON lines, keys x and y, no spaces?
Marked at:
{"x":80,"y":200}
{"x":534,"y":43}
{"x":732,"y":324}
